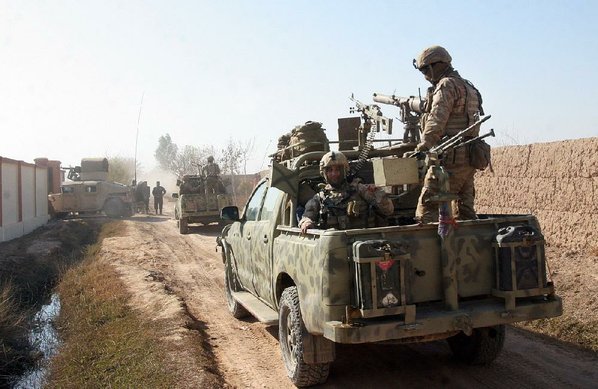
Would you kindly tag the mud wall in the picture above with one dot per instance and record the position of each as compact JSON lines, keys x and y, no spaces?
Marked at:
{"x":557,"y":181}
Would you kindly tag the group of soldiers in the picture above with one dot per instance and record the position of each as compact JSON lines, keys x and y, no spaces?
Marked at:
{"x":452,"y":104}
{"x":211,"y":172}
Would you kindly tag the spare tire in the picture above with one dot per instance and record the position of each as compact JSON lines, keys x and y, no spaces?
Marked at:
{"x":114,"y":208}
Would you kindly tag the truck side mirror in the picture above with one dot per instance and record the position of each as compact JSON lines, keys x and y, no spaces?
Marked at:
{"x":230,"y":213}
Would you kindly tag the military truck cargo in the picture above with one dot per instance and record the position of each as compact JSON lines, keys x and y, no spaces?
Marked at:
{"x":197,"y":204}
{"x":406,"y":282}
{"x":87,"y":192}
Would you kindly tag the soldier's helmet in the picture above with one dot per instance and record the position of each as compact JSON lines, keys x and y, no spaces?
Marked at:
{"x":432,"y":55}
{"x":332,"y":158}
{"x":210,"y":159}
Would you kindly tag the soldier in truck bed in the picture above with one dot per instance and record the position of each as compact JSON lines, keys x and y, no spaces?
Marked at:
{"x":453,"y":104}
{"x":344,"y":205}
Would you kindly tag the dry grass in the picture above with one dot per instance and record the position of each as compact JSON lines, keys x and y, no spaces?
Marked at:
{"x":104,"y":339}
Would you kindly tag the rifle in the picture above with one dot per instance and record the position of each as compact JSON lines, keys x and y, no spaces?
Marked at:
{"x":371,"y":114}
{"x":411,"y":109}
{"x":457,"y":140}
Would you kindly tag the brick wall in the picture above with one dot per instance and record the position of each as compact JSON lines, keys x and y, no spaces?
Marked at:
{"x":557,"y":182}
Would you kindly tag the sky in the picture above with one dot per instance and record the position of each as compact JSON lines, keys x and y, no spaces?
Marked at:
{"x":108,"y":78}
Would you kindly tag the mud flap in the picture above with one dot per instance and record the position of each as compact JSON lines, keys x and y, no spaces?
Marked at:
{"x":318,"y":349}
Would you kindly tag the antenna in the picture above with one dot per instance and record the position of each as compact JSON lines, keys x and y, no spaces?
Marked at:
{"x":137,"y":136}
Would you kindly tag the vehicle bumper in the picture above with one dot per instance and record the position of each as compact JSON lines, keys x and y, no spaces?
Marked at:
{"x":433,"y":321}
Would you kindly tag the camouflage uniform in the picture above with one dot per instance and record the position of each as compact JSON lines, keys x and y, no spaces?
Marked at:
{"x":212,"y":173}
{"x":452,"y":104}
{"x":345,"y":205}
{"x":352,"y":205}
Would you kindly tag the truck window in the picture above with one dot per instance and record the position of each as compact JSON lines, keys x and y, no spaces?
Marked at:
{"x":253,"y":206}
{"x":68,"y":189}
{"x":90,"y":189}
{"x":269,"y":203}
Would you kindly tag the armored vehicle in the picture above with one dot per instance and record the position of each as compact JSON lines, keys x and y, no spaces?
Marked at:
{"x":87,"y":191}
{"x":405,"y":282}
{"x":196,"y":203}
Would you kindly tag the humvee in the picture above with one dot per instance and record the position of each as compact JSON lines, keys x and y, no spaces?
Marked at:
{"x":196,"y":204}
{"x":404,"y":282}
{"x":89,"y":192}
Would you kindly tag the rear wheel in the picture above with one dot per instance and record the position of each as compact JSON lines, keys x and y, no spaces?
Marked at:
{"x":183,"y":226}
{"x":231,"y":284}
{"x":481,"y":348}
{"x":291,"y":335}
{"x":114,"y":208}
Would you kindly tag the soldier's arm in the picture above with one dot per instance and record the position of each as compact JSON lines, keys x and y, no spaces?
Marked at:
{"x":443,"y":100}
{"x":377,"y":198}
{"x":311,"y":214}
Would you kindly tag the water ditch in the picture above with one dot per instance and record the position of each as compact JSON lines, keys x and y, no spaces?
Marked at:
{"x":44,"y":340}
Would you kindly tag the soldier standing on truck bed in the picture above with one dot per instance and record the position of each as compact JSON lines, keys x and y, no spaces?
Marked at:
{"x":452,"y":104}
{"x":344,"y":205}
{"x":212,"y":174}
{"x":158,"y":192}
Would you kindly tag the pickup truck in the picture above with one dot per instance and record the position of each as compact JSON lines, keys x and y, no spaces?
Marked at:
{"x":195,"y":204}
{"x":399,"y":283}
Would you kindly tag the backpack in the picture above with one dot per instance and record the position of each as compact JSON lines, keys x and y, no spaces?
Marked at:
{"x":308,"y":137}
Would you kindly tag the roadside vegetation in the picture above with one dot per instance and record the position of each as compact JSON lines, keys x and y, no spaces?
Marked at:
{"x":30,"y":267}
{"x":104,"y":340}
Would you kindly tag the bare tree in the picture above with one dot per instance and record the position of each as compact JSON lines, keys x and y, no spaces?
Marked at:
{"x":122,"y":169}
{"x":187,"y":160}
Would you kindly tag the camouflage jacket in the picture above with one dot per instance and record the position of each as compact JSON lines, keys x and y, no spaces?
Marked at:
{"x":211,"y":170}
{"x":353,"y":205}
{"x":453,"y":104}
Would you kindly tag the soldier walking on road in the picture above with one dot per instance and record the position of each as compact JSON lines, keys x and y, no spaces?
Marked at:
{"x":452,"y":104}
{"x":158,"y":192}
{"x":344,"y":205}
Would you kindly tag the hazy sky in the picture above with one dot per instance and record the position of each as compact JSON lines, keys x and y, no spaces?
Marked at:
{"x":72,"y":73}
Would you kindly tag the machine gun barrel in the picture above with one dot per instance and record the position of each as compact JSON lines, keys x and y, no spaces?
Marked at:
{"x":414,"y":104}
{"x":457,"y":138}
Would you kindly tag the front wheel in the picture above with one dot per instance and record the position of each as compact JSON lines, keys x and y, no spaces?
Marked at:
{"x":291,"y":335}
{"x":481,"y":348}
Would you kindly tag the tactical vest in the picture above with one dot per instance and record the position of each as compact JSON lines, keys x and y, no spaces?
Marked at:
{"x":468,"y":106}
{"x":344,"y":210}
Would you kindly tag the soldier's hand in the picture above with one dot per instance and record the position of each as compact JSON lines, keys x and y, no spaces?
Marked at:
{"x":305,"y":226}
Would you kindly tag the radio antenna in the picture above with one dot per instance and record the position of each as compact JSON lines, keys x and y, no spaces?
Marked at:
{"x":137,"y":135}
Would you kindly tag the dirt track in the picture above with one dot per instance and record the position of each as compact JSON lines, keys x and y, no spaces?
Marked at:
{"x":163,"y":269}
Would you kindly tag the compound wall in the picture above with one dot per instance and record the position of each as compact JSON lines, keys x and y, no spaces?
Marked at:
{"x":557,"y":182}
{"x":23,"y":196}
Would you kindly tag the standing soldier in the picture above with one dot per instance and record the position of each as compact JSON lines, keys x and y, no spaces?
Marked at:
{"x":452,"y":104}
{"x":158,"y":192}
{"x":344,"y":205}
{"x":212,"y":174}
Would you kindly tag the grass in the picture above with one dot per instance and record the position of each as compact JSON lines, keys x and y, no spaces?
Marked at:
{"x":104,"y":340}
{"x":566,"y":328}
{"x":26,"y":279}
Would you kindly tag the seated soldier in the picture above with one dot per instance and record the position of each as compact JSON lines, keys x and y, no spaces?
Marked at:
{"x":344,"y":205}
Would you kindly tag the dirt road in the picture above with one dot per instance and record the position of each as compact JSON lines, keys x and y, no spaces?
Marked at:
{"x":173,"y":275}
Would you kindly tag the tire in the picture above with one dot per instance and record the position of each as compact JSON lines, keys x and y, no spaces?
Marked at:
{"x":481,"y":348}
{"x":183,"y":226}
{"x":114,"y":208}
{"x":231,"y":284}
{"x":291,"y":335}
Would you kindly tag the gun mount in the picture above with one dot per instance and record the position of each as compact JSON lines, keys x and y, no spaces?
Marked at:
{"x":411,"y":109}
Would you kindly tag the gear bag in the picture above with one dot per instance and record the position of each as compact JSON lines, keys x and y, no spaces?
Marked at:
{"x":308,"y":137}
{"x":479,"y":155}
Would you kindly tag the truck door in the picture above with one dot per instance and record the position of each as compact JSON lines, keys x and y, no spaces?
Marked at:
{"x":261,"y":243}
{"x":242,"y":244}
{"x":89,"y":197}
{"x":69,"y":198}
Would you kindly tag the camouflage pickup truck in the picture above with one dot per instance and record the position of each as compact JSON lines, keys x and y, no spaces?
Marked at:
{"x":195,"y":204}
{"x":398,"y":283}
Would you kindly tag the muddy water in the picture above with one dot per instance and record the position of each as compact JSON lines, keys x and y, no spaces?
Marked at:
{"x":44,"y":339}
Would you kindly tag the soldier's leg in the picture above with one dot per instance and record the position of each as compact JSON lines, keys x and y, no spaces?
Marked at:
{"x":461,"y":184}
{"x":427,"y":211}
